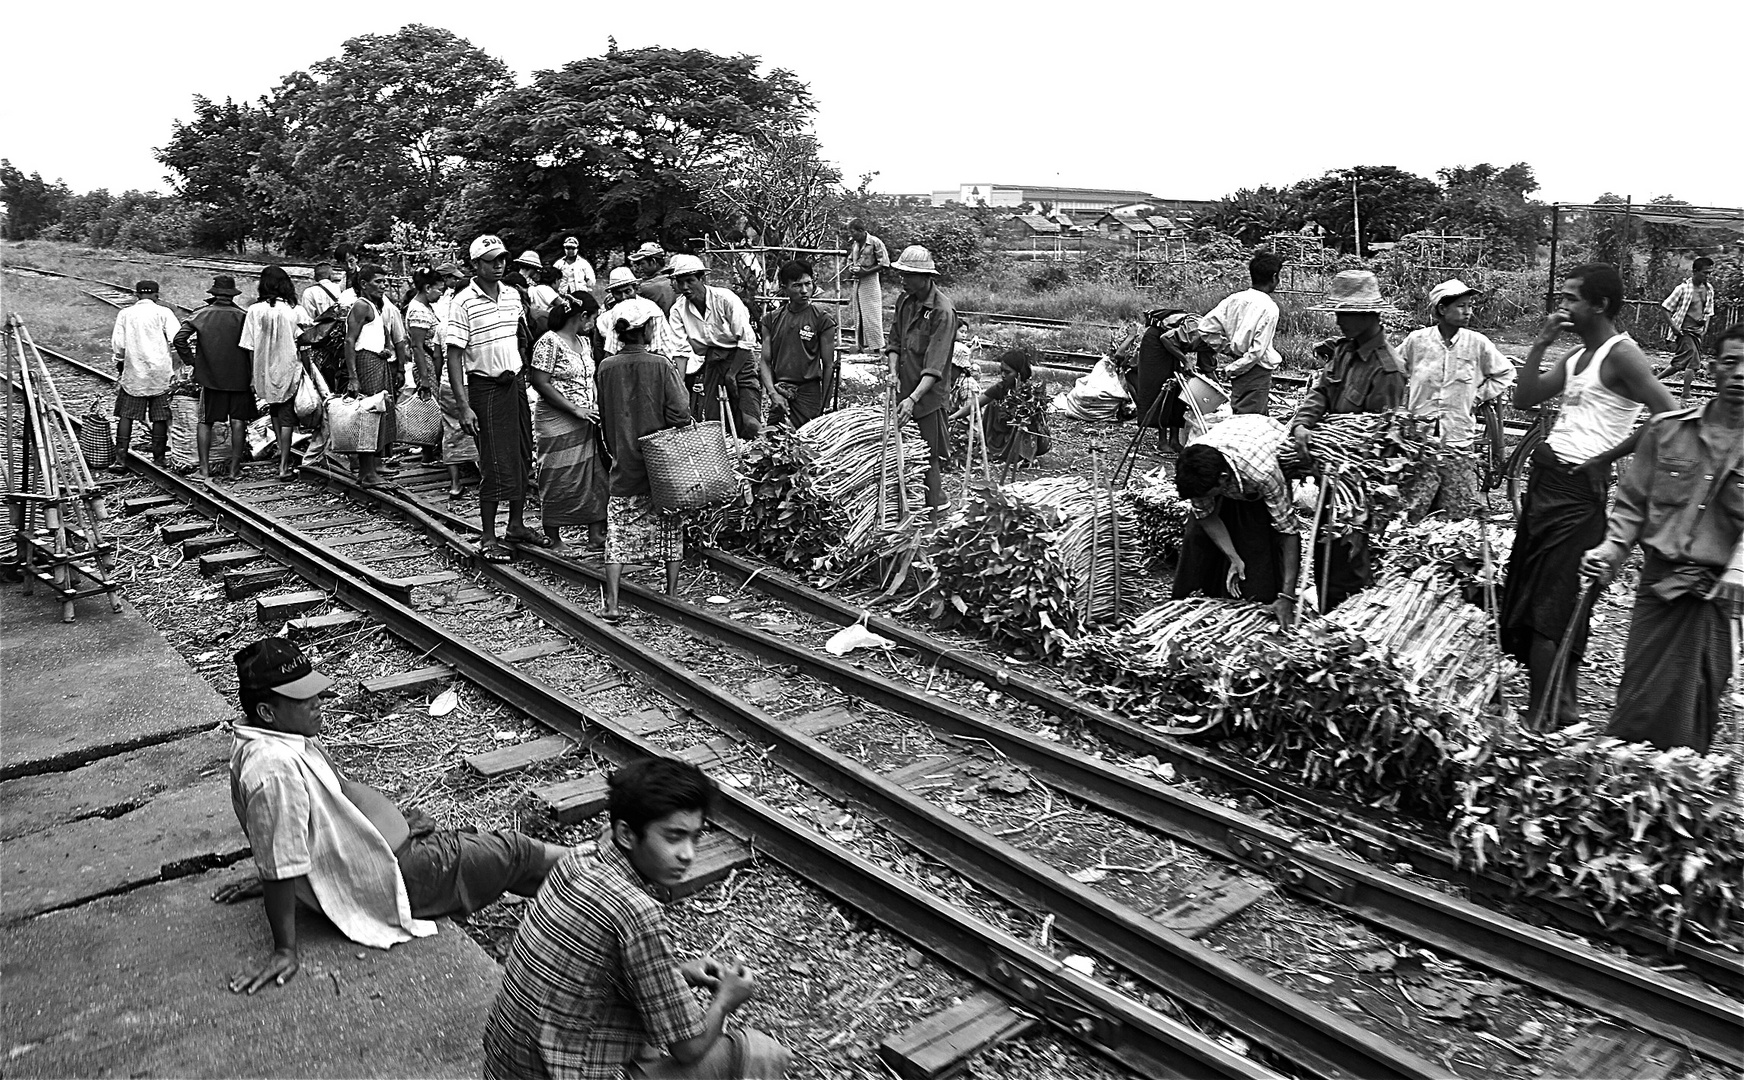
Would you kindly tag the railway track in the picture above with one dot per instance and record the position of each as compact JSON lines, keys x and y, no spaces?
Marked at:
{"x":1627,"y":992}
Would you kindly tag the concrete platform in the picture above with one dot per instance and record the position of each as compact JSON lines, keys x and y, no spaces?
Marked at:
{"x":75,"y":692}
{"x":136,"y":985}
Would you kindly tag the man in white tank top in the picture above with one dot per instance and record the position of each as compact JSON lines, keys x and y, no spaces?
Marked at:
{"x":1604,"y":384}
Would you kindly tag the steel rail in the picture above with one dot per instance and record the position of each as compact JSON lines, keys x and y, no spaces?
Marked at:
{"x":1106,"y":1021}
{"x":1290,"y":1025}
{"x":1572,"y":970}
{"x":1368,"y":838}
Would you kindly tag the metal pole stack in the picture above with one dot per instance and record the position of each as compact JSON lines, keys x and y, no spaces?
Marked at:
{"x":57,"y":511}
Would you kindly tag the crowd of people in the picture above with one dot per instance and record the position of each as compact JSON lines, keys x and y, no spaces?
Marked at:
{"x":546,"y":389}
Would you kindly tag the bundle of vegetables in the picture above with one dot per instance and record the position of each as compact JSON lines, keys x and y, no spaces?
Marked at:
{"x":992,"y":566}
{"x":847,"y":473}
{"x":1161,"y":513}
{"x":1454,"y":548}
{"x":1320,"y":704}
{"x":1376,"y":466}
{"x":1445,"y":647}
{"x":779,"y":514}
{"x":1096,"y":543}
{"x":1631,"y":832}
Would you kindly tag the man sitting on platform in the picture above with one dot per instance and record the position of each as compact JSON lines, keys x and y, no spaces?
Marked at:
{"x":591,"y":988}
{"x":1244,"y":530}
{"x":338,"y":846}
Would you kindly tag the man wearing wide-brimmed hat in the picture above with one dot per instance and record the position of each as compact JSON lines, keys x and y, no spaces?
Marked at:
{"x":222,"y":369}
{"x":921,"y":337}
{"x":1362,"y":375}
{"x":1454,"y":370}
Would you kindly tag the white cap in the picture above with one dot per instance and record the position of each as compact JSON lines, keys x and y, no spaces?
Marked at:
{"x":486,"y":246}
{"x":570,"y":240}
{"x":634,"y":312}
{"x":685,"y":264}
{"x":622,"y":275}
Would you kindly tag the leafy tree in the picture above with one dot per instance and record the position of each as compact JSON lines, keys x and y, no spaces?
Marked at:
{"x":32,"y":203}
{"x":1393,"y":202}
{"x":1486,"y":201}
{"x":615,"y":148}
{"x":1252,"y":214}
{"x":204,"y":155}
{"x":1663,"y":242}
{"x":1614,"y":235}
{"x":790,"y":195}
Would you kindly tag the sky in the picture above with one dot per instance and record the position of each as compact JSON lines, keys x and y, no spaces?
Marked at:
{"x":1189,"y":104}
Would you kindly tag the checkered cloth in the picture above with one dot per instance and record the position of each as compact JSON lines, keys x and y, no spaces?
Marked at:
{"x":1250,"y":443}
{"x":1688,"y":300}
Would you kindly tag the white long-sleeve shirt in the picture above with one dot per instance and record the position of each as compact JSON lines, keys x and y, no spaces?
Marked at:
{"x":142,"y":342}
{"x":1240,"y":328}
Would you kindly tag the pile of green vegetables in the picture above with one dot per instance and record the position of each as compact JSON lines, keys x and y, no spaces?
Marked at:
{"x":779,"y":515}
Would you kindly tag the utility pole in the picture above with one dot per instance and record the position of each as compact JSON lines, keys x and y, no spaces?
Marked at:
{"x":1355,"y":214}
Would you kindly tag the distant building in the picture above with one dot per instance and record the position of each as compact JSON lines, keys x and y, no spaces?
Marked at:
{"x":1122,"y":226}
{"x":1059,"y":198}
{"x":1028,"y":227}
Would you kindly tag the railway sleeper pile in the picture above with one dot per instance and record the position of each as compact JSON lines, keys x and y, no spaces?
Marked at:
{"x":1630,"y":832}
{"x":1322,"y":703}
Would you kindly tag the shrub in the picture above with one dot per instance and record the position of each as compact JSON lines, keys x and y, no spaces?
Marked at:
{"x":779,"y":514}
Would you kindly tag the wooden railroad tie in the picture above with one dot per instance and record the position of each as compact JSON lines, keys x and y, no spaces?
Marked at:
{"x":571,"y":801}
{"x":1606,"y":1049}
{"x":1202,"y":905}
{"x":239,"y":584}
{"x":942,"y":1045}
{"x":159,"y":513}
{"x":435,"y":577}
{"x":334,"y":523}
{"x":226,"y":560}
{"x":421,"y":678}
{"x":285,"y":605}
{"x":205,"y":545}
{"x":306,"y":625}
{"x":819,"y":721}
{"x":183,"y":530}
{"x":509,"y":759}
{"x":353,"y":539}
{"x":140,"y":505}
{"x":398,"y":554}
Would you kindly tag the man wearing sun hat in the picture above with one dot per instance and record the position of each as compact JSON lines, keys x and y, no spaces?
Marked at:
{"x":621,"y":286}
{"x":1362,"y":375}
{"x":211,"y":341}
{"x":716,"y":326}
{"x":340,"y":847}
{"x":922,"y":335}
{"x":1454,"y":370}
{"x":574,"y":273}
{"x":649,"y":263}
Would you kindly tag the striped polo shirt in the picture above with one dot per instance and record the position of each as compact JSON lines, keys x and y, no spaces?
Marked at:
{"x":485,"y":328}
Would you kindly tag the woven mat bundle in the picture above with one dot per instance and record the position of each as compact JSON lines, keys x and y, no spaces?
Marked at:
{"x":1445,"y":647}
{"x":1319,"y":704}
{"x":1161,"y":512}
{"x":1097,"y":542}
{"x":1376,"y":467}
{"x":846,"y":471}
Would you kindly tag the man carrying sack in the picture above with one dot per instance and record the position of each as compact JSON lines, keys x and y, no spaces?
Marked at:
{"x":1682,"y":500}
{"x":718,"y":327}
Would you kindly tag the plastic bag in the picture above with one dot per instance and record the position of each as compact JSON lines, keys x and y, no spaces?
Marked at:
{"x":1100,"y":395}
{"x":849,"y":638}
{"x":354,"y":424}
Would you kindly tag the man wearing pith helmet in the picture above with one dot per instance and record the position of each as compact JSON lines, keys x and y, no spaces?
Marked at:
{"x":921,"y":336}
{"x":716,"y":325}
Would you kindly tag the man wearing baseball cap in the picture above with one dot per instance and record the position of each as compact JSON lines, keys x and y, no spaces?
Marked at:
{"x":148,"y":366}
{"x":338,"y":846}
{"x":487,"y":324}
{"x":1455,"y":371}
{"x":574,"y":273}
{"x":922,"y":334}
{"x":717,"y":327}
{"x":649,"y":263}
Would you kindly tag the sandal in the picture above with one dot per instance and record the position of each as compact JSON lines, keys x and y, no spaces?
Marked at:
{"x":527,"y":537}
{"x":612,"y":617}
{"x":496,"y":553}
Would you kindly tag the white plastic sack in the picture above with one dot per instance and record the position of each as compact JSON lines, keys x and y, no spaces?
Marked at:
{"x":354,"y":424}
{"x":849,"y":638}
{"x":1096,"y":396}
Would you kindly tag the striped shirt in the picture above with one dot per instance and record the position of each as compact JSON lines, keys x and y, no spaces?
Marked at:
{"x":590,"y":979}
{"x":1688,"y":303}
{"x":486,"y":329}
{"x":1249,"y":444}
{"x":287,"y":798}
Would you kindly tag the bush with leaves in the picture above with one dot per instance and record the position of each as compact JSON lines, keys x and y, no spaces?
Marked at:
{"x":1628,"y":831}
{"x":779,"y":514}
{"x":991,"y":567}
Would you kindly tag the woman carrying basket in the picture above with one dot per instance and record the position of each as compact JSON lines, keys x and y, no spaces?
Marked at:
{"x":639,"y":394}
